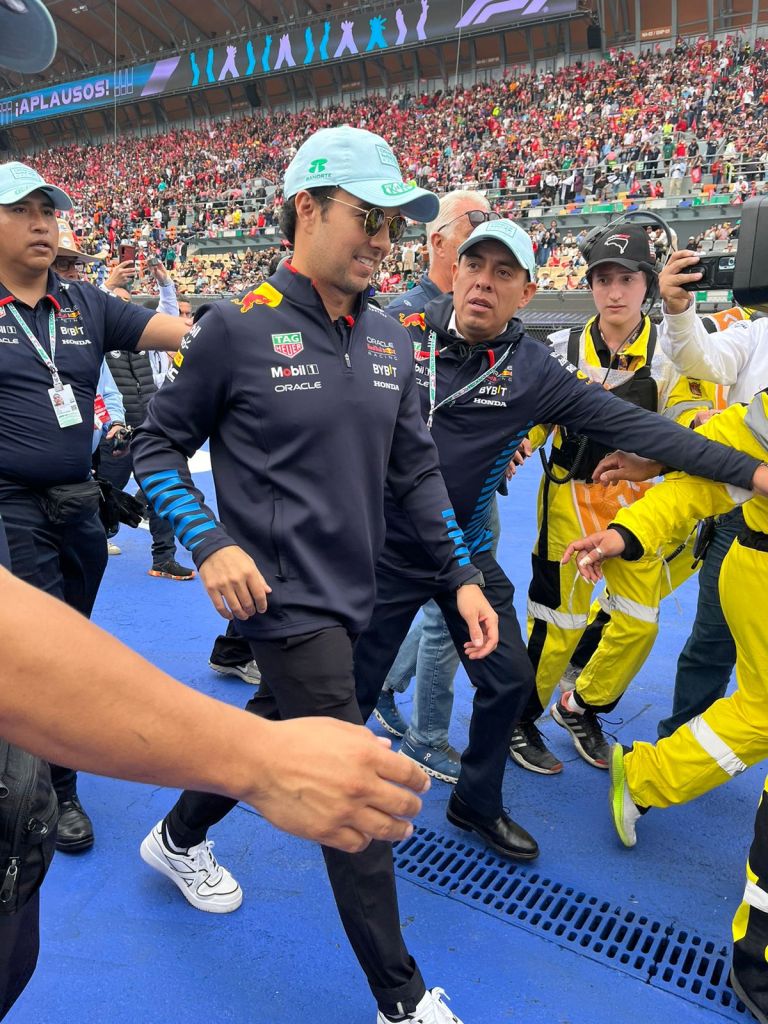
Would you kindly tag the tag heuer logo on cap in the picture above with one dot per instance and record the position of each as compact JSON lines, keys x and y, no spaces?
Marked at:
{"x":288,"y":345}
{"x":397,"y":188}
{"x":386,"y":156}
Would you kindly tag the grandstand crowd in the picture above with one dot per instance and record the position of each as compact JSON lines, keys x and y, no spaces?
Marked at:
{"x":687,"y":122}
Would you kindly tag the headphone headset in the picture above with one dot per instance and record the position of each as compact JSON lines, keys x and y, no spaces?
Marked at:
{"x":644,"y":217}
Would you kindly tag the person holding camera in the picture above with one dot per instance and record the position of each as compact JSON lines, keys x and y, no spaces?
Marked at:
{"x":736,"y":355}
{"x":55,"y":334}
{"x":618,"y":351}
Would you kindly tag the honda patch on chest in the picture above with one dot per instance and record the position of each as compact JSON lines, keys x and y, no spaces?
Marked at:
{"x":288,"y":345}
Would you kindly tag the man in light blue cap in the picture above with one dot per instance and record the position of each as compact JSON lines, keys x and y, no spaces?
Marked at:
{"x":484,"y":384}
{"x":361,"y":163}
{"x":311,"y":398}
{"x":55,"y":334}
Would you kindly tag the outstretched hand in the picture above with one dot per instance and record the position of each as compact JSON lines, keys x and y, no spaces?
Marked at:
{"x":597,"y":547}
{"x":625,"y":466}
{"x":337,"y":784}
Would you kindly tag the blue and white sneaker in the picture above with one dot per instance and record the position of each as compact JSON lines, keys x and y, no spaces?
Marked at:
{"x":388,"y":716}
{"x":443,"y":764}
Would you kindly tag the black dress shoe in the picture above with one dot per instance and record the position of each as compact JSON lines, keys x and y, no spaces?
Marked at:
{"x":501,"y":834}
{"x":75,"y":832}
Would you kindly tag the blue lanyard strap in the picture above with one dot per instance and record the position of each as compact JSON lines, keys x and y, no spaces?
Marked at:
{"x":450,"y":399}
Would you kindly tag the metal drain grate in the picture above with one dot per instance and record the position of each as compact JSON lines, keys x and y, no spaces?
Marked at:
{"x":665,"y":957}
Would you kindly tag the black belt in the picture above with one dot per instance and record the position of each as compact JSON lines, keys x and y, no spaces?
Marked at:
{"x":753,"y":539}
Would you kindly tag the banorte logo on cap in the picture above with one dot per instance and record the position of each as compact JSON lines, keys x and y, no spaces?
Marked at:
{"x":316,"y":169}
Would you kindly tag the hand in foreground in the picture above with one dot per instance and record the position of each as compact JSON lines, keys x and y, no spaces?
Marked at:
{"x":121,"y":274}
{"x":234,"y":583}
{"x":482,"y":621}
{"x":597,"y":547}
{"x":625,"y":466}
{"x":671,"y":281}
{"x":337,"y":784}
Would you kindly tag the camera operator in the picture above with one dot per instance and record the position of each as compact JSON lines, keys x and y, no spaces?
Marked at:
{"x":736,"y":356}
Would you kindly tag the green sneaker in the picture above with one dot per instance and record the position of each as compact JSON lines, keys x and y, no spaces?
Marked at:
{"x":624,"y":811}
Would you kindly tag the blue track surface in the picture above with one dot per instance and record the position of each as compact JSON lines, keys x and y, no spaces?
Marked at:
{"x":120,"y":944}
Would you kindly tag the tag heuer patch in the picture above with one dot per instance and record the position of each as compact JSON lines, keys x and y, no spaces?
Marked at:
{"x":288,"y":345}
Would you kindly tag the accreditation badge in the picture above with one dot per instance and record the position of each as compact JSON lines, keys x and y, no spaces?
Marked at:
{"x":65,"y":405}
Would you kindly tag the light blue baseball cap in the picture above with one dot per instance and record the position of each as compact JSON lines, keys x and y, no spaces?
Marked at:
{"x":18,"y":180}
{"x":509,"y":234}
{"x":364,"y":165}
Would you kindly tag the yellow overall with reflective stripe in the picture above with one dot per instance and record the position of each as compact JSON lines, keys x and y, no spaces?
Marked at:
{"x":559,"y":598}
{"x":733,"y":733}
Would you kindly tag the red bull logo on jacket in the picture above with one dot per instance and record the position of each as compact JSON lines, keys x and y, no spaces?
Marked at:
{"x":264,"y":295}
{"x":413,"y":320}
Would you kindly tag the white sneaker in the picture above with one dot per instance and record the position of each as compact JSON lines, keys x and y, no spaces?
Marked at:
{"x":113,"y":549}
{"x":249,"y":672}
{"x":431,"y":1010}
{"x":205,"y":883}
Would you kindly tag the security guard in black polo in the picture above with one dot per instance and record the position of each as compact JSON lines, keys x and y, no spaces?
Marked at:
{"x":53,"y":335}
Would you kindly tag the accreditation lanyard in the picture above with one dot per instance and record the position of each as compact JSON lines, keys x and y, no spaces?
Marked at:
{"x":450,"y":399}
{"x":48,"y":360}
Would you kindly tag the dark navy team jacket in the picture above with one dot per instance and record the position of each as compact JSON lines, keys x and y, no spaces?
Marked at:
{"x":477,"y":435}
{"x":307,"y":419}
{"x":34,"y":450}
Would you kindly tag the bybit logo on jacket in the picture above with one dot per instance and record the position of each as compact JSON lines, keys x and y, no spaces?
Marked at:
{"x":289,"y":344}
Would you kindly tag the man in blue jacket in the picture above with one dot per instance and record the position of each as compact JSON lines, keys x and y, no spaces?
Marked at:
{"x":310,"y":402}
{"x":483,"y":383}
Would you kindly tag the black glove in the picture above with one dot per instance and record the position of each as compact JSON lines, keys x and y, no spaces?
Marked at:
{"x":119,"y":507}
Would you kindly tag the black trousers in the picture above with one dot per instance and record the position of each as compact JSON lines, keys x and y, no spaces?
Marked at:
{"x":67,"y":562}
{"x":19,"y":947}
{"x":118,"y":472}
{"x":230,"y":648}
{"x":503,"y":681}
{"x":311,"y":675}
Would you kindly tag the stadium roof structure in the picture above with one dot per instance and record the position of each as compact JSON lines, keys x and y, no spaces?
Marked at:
{"x":117,"y":40}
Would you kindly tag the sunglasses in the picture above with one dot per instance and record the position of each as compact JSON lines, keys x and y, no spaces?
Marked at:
{"x":375,"y":218}
{"x":475,"y":217}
